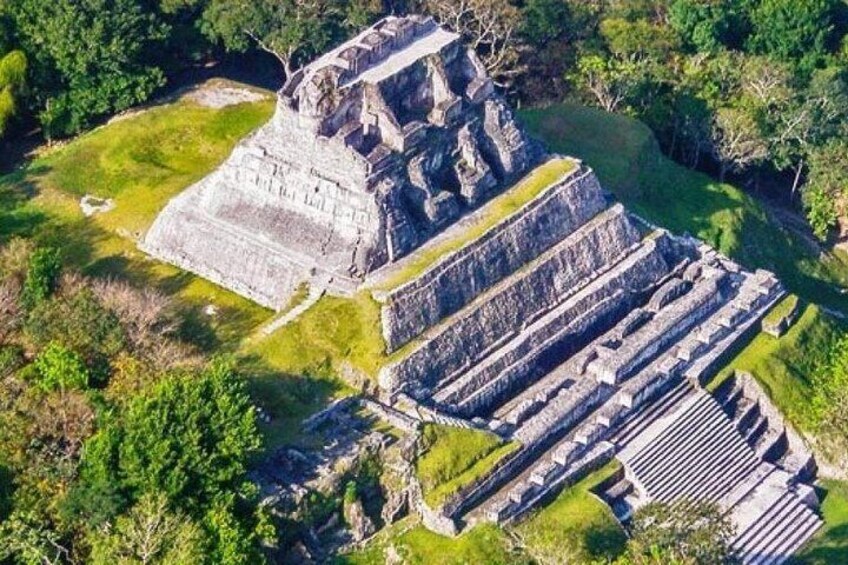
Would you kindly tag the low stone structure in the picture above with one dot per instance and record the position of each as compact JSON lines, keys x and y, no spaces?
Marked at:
{"x":373,"y":147}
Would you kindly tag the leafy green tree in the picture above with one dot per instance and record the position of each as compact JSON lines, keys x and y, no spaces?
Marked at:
{"x":611,"y":81}
{"x":738,"y":140}
{"x":545,"y":20}
{"x":42,"y":276}
{"x":709,"y":25}
{"x":59,"y":368}
{"x":827,"y":186}
{"x":830,"y":403}
{"x":13,"y":68}
{"x":93,"y":57}
{"x":800,"y":33}
{"x":149,"y":533}
{"x":293,"y":31}
{"x":683,"y":532}
{"x":188,"y":439}
{"x":25,"y":537}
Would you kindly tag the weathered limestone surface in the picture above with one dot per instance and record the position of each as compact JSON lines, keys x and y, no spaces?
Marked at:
{"x":472,"y":333}
{"x":373,"y":148}
{"x":461,"y":276}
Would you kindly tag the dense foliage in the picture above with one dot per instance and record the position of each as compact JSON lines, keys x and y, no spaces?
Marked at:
{"x":119,"y":442}
{"x":683,"y":533}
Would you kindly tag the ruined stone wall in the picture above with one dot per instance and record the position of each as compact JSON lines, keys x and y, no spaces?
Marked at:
{"x":461,"y":276}
{"x":461,"y":344}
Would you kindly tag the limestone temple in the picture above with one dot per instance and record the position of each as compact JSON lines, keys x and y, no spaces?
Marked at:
{"x":570,"y":326}
{"x":374,"y":147}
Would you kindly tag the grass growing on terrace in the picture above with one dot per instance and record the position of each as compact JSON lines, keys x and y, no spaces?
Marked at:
{"x":626,"y":157}
{"x":456,"y":457}
{"x":577,"y":527}
{"x":783,"y":309}
{"x":784,"y":365}
{"x":491,"y":214}
{"x":334,"y":333}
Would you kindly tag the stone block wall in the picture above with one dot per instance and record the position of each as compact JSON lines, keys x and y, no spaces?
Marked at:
{"x":462,"y":343}
{"x":458,"y":278}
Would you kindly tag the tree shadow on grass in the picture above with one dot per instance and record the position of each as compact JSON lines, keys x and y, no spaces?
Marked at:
{"x":604,"y":542}
{"x":286,"y":398}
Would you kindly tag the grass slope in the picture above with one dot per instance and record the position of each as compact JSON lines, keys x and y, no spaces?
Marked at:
{"x":414,"y":544}
{"x":456,"y":457}
{"x":784,"y":365}
{"x":577,"y":527}
{"x":142,"y":160}
{"x":625,"y":155}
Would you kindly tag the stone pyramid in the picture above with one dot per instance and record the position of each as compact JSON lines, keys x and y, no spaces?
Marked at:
{"x":373,"y":148}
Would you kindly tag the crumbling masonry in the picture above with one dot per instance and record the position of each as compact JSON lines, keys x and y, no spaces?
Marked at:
{"x":373,"y":148}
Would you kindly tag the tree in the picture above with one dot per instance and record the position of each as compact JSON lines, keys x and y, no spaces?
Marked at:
{"x":188,"y":438}
{"x":610,"y":81}
{"x":293,"y":31}
{"x":149,"y":533}
{"x":830,"y":403}
{"x":827,"y":186}
{"x":683,"y":532}
{"x":13,"y":69}
{"x":490,"y":27}
{"x":799,"y":33}
{"x":92,"y":57}
{"x":59,"y":368}
{"x":709,"y":25}
{"x":545,"y":20}
{"x":42,"y":277}
{"x":737,"y":140}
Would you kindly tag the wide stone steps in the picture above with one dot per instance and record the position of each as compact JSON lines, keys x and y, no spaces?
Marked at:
{"x":700,"y":456}
{"x":777,"y":533}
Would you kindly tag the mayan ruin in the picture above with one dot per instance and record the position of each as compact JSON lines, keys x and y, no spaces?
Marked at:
{"x":373,"y":147}
{"x":424,"y":282}
{"x":569,"y":326}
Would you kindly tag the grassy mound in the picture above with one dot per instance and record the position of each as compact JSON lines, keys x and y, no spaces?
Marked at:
{"x":626,"y":158}
{"x":414,"y":544}
{"x":577,"y":527}
{"x":783,"y":365}
{"x":140,"y":161}
{"x":456,"y":457}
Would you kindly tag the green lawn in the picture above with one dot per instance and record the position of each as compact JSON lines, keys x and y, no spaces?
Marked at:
{"x":783,"y":366}
{"x":456,"y":457}
{"x":627,"y":159}
{"x":782,"y":310}
{"x":140,"y":161}
{"x":831,"y":544}
{"x":577,"y":527}
{"x":485,"y":544}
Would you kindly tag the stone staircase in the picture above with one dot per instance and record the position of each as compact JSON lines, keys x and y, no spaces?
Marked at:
{"x":700,"y":453}
{"x":588,"y":344}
